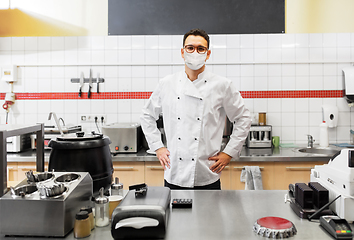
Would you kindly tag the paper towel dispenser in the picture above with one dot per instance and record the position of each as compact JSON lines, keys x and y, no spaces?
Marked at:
{"x":348,"y":84}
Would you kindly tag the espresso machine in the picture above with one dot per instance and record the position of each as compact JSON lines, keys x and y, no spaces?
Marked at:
{"x":260,"y":137}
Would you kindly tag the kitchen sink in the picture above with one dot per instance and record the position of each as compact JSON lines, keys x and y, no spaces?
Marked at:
{"x":322,"y":151}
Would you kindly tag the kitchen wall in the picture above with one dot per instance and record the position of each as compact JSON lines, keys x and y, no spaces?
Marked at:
{"x":289,"y":76}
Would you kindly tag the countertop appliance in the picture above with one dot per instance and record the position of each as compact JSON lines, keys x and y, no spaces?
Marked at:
{"x":80,"y":152}
{"x":338,"y":177}
{"x":125,"y":137}
{"x":259,"y":137}
{"x":142,"y":215}
{"x":45,"y":205}
{"x":18,"y":143}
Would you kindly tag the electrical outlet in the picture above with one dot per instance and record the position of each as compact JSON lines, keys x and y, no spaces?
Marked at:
{"x":91,"y":118}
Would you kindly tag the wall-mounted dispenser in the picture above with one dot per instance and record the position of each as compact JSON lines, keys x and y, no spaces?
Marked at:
{"x":330,"y":115}
{"x":348,"y":85}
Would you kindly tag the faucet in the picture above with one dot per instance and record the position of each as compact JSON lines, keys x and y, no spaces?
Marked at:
{"x":310,"y":141}
{"x":56,"y":122}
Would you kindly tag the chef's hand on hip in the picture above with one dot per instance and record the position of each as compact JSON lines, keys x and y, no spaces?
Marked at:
{"x":163,"y":156}
{"x":221,"y":161}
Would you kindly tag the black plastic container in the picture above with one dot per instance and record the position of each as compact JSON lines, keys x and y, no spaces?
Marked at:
{"x":79,"y":153}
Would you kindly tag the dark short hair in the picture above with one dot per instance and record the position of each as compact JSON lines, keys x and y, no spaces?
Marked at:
{"x":197,"y":32}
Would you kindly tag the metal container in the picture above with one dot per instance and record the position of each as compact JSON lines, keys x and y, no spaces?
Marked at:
{"x":259,"y":137}
{"x":28,"y":211}
{"x":125,"y":137}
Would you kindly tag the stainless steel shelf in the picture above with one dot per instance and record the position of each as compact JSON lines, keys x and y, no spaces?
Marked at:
{"x":10,"y":130}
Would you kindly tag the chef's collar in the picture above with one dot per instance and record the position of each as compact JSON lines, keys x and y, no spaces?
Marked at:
{"x":201,"y":76}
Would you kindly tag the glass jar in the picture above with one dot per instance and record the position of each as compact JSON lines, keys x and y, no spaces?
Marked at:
{"x":102,"y":209}
{"x":90,"y":214}
{"x":82,"y":226}
{"x":117,"y":188}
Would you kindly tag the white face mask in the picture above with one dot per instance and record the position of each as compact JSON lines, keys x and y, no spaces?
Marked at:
{"x":195,"y":60}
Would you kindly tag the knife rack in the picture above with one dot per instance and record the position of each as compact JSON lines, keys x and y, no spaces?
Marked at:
{"x":87,"y":80}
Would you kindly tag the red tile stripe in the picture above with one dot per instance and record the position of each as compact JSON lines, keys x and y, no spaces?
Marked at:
{"x":146,"y":95}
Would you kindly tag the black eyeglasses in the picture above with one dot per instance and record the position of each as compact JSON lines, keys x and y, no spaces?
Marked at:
{"x":191,"y":48}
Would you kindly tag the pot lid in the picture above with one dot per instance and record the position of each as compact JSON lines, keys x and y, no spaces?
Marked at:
{"x":80,"y":136}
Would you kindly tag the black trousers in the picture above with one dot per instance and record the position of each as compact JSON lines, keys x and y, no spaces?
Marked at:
{"x":213,"y":186}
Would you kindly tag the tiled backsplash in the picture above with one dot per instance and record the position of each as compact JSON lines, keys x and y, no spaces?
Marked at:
{"x":260,"y":62}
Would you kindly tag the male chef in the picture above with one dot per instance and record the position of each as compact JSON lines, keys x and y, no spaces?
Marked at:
{"x":194,"y":104}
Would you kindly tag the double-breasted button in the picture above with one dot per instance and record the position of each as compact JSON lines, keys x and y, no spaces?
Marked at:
{"x":179,"y":138}
{"x":192,"y":159}
{"x":198,"y":119}
{"x":180,"y":158}
{"x":179,"y":118}
{"x":195,"y":138}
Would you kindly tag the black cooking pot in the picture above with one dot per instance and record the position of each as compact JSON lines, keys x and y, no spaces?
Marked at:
{"x":80,"y":153}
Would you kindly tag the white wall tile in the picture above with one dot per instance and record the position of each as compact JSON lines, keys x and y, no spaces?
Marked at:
{"x":31,"y":57}
{"x":316,"y":40}
{"x":288,"y":55}
{"x":288,"y":105}
{"x":232,"y":55}
{"x":302,"y":119}
{"x":152,"y":42}
{"x":246,"y":41}
{"x":329,"y":40}
{"x":247,"y":84}
{"x":177,"y":42}
{"x":316,"y":54}
{"x":301,"y":105}
{"x":124,"y":84}
{"x":219,"y":55}
{"x":274,"y":105}
{"x":70,"y":57}
{"x":165,"y":55}
{"x":343,"y":54}
{"x":31,"y":43}
{"x":274,"y":55}
{"x":98,"y":42}
{"x":97,"y":56}
{"x":260,"y":105}
{"x":274,"y":83}
{"x":302,"y":54}
{"x":274,"y":40}
{"x":260,"y":41}
{"x":233,"y":41}
{"x":316,"y":83}
{"x":343,"y":39}
{"x":57,"y":43}
{"x":330,"y":54}
{"x":232,"y":70}
{"x":288,"y":83}
{"x":164,"y":41}
{"x":5,"y":43}
{"x":302,"y":83}
{"x":18,"y":44}
{"x":44,"y":43}
{"x":302,"y":40}
{"x":84,"y":43}
{"x":261,"y":83}
{"x":70,"y":43}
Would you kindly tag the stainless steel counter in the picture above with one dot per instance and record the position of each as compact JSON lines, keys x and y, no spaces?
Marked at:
{"x":266,"y":154}
{"x":225,"y":215}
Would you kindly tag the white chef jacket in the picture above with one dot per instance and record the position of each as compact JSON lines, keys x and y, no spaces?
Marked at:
{"x":194,"y":117}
